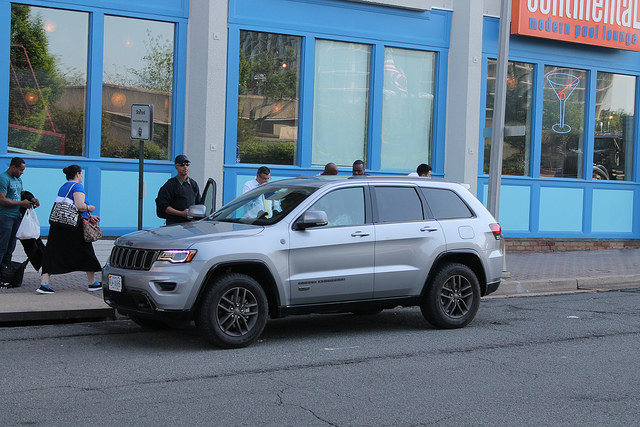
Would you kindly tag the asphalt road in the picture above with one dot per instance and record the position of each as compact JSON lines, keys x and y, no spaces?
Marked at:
{"x":556,"y":360}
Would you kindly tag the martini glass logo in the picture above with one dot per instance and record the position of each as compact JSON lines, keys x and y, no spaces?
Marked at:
{"x":563,"y":85}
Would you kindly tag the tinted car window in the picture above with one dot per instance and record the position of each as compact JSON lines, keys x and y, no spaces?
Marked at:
{"x":398,"y":204}
{"x":446,"y":204}
{"x":343,"y":207}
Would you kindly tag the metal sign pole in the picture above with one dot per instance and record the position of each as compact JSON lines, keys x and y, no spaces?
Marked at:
{"x":140,"y":184}
{"x":141,"y":129}
{"x":500,"y":100}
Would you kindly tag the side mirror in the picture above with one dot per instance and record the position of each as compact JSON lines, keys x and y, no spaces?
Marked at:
{"x":311,"y":219}
{"x":197,"y":211}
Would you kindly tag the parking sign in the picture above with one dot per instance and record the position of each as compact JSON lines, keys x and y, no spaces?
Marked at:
{"x":142,"y":121}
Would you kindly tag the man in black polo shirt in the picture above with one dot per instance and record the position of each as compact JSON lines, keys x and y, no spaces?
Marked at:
{"x":177,"y":194}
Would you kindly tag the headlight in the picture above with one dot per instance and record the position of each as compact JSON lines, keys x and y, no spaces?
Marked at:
{"x":176,"y":256}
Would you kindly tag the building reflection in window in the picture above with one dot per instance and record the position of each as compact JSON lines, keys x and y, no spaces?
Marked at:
{"x":47,"y":81}
{"x":563,"y":119}
{"x":614,"y":127}
{"x":268,"y":98}
{"x":137,"y":69}
{"x":516,"y":149}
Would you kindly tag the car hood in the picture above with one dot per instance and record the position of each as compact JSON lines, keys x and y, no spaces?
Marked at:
{"x":182,"y":236}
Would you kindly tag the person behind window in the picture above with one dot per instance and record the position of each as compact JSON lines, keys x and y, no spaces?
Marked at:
{"x":260,"y":206}
{"x":330,"y":169}
{"x":358,"y":168}
{"x":66,"y":250}
{"x":177,"y":194}
{"x":262,"y":177}
{"x":424,"y":170}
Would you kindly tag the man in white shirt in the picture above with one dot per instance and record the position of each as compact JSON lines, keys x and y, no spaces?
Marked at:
{"x":262,"y":177}
{"x":259,"y":206}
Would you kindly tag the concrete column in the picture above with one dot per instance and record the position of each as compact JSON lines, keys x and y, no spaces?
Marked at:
{"x":205,"y":90}
{"x":463,"y":93}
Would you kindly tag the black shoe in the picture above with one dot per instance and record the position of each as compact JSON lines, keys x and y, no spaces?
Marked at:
{"x":95,"y":286}
{"x":43,"y":290}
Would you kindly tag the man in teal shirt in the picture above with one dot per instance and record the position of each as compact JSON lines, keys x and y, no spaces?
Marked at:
{"x":10,"y":204}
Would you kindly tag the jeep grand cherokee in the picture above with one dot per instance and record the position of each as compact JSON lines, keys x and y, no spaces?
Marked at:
{"x":311,"y":245}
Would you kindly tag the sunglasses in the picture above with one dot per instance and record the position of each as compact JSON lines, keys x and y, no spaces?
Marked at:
{"x":184,"y":164}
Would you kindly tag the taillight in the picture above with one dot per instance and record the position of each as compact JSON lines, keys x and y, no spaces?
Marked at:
{"x":496,"y":230}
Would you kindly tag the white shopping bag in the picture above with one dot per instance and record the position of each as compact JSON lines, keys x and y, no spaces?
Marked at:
{"x":29,"y":227}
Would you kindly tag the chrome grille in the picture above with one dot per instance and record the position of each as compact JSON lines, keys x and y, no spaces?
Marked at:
{"x":132,"y":259}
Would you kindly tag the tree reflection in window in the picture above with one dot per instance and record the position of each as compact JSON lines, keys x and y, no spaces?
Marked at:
{"x":48,"y":79}
{"x":137,"y":69}
{"x":268,"y":98}
{"x":516,"y":149}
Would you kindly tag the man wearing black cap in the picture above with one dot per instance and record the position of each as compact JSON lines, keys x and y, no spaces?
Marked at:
{"x":177,"y":194}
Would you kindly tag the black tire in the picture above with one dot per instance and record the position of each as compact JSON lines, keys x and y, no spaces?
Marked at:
{"x":600,"y":173}
{"x":149,"y":323}
{"x":233,"y":312}
{"x":452,"y":298}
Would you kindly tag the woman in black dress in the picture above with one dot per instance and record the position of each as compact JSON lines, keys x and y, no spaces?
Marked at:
{"x":66,"y":250}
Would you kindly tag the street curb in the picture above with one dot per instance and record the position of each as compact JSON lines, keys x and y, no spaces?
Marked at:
{"x":527,"y":287}
{"x":58,"y":315}
{"x":70,"y":305}
{"x":612,"y":282}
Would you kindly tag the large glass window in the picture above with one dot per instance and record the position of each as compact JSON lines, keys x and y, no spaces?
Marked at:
{"x":407,"y":108}
{"x":268,"y":98}
{"x":137,"y":69}
{"x":563,"y":118}
{"x":516,"y":148}
{"x":340,"y":102}
{"x":47,"y":81}
{"x":613,"y":139}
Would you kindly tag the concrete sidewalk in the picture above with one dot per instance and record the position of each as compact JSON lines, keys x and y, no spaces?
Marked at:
{"x":528,"y":274}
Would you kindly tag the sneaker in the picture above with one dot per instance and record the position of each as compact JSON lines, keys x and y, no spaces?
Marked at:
{"x":95,"y":286}
{"x":44,"y":290}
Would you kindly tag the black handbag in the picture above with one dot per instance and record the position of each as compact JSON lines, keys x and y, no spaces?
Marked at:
{"x":64,"y":211}
{"x":12,"y":273}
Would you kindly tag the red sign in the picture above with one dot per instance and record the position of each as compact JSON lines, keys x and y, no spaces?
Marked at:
{"x":608,"y":23}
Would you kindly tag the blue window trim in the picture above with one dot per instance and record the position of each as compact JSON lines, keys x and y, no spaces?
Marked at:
{"x":170,"y":11}
{"x":376,"y":26}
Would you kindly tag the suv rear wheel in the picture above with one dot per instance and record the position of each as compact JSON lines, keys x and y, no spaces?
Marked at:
{"x":452,"y":298}
{"x":233,"y":312}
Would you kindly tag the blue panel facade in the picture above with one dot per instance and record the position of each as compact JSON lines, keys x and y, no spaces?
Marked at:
{"x":565,"y":207}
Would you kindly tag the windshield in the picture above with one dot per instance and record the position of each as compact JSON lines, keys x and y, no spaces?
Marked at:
{"x":264,"y":205}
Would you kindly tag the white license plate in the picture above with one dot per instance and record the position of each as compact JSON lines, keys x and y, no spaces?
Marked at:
{"x":115,"y":283}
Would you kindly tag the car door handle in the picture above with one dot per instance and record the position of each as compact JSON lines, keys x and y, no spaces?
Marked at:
{"x":359,"y":234}
{"x":429,"y":228}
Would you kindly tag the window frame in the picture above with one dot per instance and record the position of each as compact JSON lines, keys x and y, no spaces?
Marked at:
{"x":305,"y":118}
{"x":161,"y":12}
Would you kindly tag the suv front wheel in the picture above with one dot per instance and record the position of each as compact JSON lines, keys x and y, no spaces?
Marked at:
{"x":233,"y":312}
{"x":452,"y":298}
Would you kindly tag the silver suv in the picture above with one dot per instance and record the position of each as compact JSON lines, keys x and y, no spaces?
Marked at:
{"x":310,"y":245}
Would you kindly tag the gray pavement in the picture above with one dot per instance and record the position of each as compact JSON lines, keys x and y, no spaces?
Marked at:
{"x":527,"y":274}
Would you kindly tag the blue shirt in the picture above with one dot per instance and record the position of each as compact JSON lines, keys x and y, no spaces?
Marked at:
{"x":12,"y":186}
{"x":77,"y":188}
